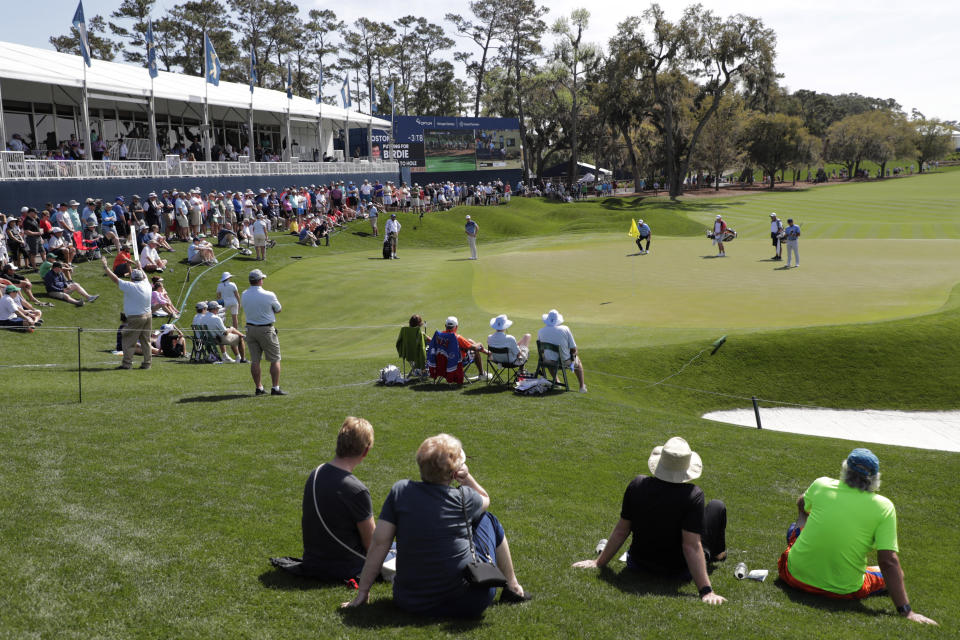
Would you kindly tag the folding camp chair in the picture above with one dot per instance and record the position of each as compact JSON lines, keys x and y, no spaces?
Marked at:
{"x":502,"y":371}
{"x":412,"y":349}
{"x":552,"y":364}
{"x":443,"y":358}
{"x":203,"y":346}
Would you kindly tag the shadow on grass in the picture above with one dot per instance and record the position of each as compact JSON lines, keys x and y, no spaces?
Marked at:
{"x":384,"y":614}
{"x":458,"y":259}
{"x":363,"y":234}
{"x":484,"y":389}
{"x":642,"y":583}
{"x":217,"y":398}
{"x":430,"y":386}
{"x":827,"y":604}
{"x":286,"y":581}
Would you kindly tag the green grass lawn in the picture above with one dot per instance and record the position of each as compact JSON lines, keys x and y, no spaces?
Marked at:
{"x":458,"y":162}
{"x":150,"y":509}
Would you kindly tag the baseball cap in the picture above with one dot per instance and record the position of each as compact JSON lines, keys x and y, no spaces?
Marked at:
{"x":137,"y":275}
{"x":201,"y":306}
{"x":255,"y":275}
{"x":773,"y":215}
{"x":863,"y":461}
{"x":213,"y":305}
{"x":468,"y":216}
{"x":452,"y":321}
{"x":11,"y":288}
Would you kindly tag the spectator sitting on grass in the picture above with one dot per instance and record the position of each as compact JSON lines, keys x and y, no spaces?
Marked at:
{"x":58,"y":247}
{"x":150,"y":259}
{"x":225,"y":336}
{"x":160,"y":302}
{"x":10,"y":275}
{"x":60,"y":287}
{"x":305,"y":236}
{"x":154,"y":234}
{"x":12,"y":313}
{"x":200,"y":251}
{"x":172,"y":342}
{"x":839,"y":522}
{"x":336,"y":547}
{"x":123,"y":262}
{"x":138,"y":349}
{"x":674,"y":533}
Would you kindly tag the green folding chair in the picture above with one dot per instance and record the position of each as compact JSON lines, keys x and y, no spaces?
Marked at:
{"x":551,"y":364}
{"x":203,"y":345}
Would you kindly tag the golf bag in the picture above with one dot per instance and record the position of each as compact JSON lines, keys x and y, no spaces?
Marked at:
{"x":386,"y":251}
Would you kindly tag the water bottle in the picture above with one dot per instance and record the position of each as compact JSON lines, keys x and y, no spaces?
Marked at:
{"x":601,"y":546}
{"x":740,"y":571}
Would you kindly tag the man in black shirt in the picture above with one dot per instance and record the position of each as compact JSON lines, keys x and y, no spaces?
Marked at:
{"x":673,"y":534}
{"x":337,"y":520}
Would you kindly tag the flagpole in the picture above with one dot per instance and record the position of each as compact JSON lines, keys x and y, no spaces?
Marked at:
{"x":86,"y":114}
{"x":206,"y":98}
{"x":393,"y":113}
{"x":154,"y":151}
{"x":322,"y":151}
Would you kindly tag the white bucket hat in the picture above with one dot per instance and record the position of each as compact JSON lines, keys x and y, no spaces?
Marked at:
{"x":675,"y":462}
{"x":552,"y":318}
{"x":501,"y":322}
{"x":226,"y":276}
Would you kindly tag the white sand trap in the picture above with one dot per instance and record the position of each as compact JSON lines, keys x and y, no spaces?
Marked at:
{"x":926,"y":430}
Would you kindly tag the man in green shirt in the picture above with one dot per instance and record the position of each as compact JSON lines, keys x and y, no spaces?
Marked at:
{"x":841,"y":521}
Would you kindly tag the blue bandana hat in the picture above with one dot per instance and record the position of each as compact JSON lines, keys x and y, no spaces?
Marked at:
{"x":864,"y":462}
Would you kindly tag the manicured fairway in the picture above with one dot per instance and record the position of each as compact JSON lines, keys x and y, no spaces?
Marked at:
{"x":149,"y":510}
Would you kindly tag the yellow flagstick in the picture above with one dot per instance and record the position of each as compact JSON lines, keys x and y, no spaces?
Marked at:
{"x":634,"y":230}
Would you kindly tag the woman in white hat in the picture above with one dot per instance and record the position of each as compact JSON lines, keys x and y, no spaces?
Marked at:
{"x":674,"y":534}
{"x":230,"y":298}
{"x":518,"y":350}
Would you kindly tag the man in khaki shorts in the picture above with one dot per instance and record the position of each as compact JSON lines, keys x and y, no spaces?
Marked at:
{"x":261,"y":307}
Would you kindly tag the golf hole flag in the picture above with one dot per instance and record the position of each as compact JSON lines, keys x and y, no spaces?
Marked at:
{"x":81,"y":26}
{"x":211,"y":62}
{"x":634,"y":230}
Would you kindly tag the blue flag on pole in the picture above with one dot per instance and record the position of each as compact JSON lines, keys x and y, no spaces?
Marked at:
{"x":373,"y":98}
{"x":211,"y":61}
{"x":289,"y":82}
{"x":390,"y":94}
{"x":253,"y":68}
{"x":345,"y":92}
{"x":319,"y":97}
{"x":81,"y":25}
{"x":151,"y":52}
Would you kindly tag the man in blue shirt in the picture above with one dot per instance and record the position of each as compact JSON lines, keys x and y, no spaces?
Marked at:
{"x":644,"y":229}
{"x":793,"y":235}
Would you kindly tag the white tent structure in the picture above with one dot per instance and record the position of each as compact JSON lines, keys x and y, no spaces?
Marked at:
{"x":42,"y":97}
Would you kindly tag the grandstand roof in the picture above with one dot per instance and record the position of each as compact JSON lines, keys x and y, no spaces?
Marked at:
{"x":44,"y":66}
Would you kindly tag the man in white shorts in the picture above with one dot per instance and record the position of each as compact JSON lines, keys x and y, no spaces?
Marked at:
{"x":517,"y":350}
{"x":227,"y":291}
{"x":555,"y":332}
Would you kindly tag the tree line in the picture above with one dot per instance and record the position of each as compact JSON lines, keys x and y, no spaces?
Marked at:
{"x":665,"y":99}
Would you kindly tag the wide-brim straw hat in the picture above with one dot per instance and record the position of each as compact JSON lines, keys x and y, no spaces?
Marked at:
{"x":675,"y":462}
{"x":501,"y":322}
{"x":552,"y":318}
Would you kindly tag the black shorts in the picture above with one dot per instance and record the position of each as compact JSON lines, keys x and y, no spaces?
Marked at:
{"x":774,"y":238}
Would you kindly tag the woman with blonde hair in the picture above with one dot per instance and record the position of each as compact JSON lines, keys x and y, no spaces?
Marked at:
{"x":429,"y":520}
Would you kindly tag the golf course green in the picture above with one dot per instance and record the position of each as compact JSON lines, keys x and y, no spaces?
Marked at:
{"x":150,"y":509}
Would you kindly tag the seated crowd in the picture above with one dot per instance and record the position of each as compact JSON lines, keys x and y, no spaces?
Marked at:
{"x":430,"y":530}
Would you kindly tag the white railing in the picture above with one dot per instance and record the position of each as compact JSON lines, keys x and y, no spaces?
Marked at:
{"x":14,"y":166}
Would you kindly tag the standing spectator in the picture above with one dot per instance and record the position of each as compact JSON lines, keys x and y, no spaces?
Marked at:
{"x":59,"y":287}
{"x":719,"y":231}
{"x":260,"y":227}
{"x":227,"y":292}
{"x":136,"y":306}
{"x":261,"y":307}
{"x":33,"y":236}
{"x":17,"y":248}
{"x":471,"y":229}
{"x":372,"y":215}
{"x":392,"y":230}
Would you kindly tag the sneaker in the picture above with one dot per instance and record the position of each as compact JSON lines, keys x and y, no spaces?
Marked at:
{"x":260,"y":392}
{"x":228,"y":358}
{"x":93,"y":298}
{"x":80,"y":303}
{"x":511,"y":597}
{"x":242,"y":361}
{"x":583,"y":389}
{"x":278,"y":392}
{"x":144,"y":366}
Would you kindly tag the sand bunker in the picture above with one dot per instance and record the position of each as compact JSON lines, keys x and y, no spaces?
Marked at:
{"x":926,"y":430}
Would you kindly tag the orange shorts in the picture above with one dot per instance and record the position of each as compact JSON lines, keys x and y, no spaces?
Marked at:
{"x":873,"y":582}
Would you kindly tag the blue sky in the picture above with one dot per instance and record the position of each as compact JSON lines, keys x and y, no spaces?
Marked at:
{"x":882,"y":48}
